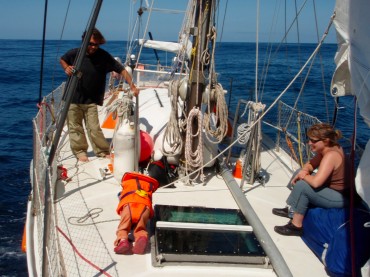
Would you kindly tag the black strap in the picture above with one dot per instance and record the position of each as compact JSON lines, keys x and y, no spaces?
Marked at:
{"x":139,"y":186}
{"x":126,"y":194}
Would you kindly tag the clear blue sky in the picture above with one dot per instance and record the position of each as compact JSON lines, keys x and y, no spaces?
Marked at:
{"x":23,"y":19}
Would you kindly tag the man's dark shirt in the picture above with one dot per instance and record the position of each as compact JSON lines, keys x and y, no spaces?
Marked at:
{"x":91,"y":86}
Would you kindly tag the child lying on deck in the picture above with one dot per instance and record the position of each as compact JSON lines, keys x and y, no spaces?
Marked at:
{"x":135,"y":209}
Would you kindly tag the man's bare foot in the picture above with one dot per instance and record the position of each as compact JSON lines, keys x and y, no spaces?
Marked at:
{"x":83,"y":158}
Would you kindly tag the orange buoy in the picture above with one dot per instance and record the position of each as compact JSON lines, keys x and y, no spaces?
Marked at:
{"x":109,"y":122}
{"x":24,"y":241}
{"x":238,"y":169}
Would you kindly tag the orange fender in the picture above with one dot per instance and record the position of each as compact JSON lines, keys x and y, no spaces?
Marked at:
{"x":24,"y":240}
{"x":109,"y":122}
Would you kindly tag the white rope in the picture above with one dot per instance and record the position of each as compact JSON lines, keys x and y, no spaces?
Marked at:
{"x":172,"y":135}
{"x":122,"y":106}
{"x":213,"y":36}
{"x":194,"y":159}
{"x":244,"y":129}
{"x":218,"y":133}
{"x":244,"y":132}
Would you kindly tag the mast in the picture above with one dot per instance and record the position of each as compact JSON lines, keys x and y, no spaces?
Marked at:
{"x":200,"y":31}
{"x":202,"y":22}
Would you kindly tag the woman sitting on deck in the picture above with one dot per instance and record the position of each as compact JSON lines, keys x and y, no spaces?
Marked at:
{"x":326,"y":188}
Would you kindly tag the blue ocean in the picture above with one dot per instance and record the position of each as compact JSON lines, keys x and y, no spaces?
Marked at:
{"x":22,"y":85}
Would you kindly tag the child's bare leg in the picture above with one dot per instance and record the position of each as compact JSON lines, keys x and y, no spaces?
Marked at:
{"x":141,"y":234}
{"x":124,"y":225}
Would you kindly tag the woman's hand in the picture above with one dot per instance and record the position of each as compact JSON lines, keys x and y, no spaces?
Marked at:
{"x":300,"y":176}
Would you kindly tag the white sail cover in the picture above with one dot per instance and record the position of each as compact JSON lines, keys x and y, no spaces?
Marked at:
{"x":341,"y":81}
{"x":173,"y":47}
{"x":352,"y":75}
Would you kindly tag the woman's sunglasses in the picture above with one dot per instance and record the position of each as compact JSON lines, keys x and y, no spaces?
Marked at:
{"x":314,"y":140}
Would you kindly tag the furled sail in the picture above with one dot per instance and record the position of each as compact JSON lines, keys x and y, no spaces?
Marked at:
{"x":359,"y":24}
{"x":359,"y":64}
{"x":353,"y":55}
{"x":352,"y":75}
{"x":341,"y":81}
{"x":359,"y":27}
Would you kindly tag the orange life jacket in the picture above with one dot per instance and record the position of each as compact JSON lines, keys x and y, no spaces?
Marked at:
{"x":137,"y":189}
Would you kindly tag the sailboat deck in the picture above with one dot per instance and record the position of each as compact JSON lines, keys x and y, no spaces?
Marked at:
{"x":87,"y":220}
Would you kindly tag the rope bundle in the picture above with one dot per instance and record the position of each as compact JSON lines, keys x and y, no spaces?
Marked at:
{"x":244,"y":132}
{"x":194,"y":158}
{"x":172,"y":134}
{"x":122,"y":106}
{"x":219,"y":132}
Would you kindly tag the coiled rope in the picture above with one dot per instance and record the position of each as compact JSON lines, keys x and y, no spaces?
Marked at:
{"x":194,"y":158}
{"x":121,"y":108}
{"x":219,"y":132}
{"x":172,"y":135}
{"x":244,"y":132}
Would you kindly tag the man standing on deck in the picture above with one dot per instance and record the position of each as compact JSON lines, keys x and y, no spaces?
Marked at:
{"x":90,"y":93}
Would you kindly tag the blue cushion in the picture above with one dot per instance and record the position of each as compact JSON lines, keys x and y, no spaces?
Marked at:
{"x":329,"y":230}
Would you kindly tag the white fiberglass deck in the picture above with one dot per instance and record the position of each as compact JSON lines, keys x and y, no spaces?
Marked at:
{"x":87,"y":241}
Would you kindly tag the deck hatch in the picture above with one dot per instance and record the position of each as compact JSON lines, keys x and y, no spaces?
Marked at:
{"x":204,"y":235}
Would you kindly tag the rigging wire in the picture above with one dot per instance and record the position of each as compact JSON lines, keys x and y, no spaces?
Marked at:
{"x":284,"y":37}
{"x":301,"y":91}
{"x":257,"y":49}
{"x":305,"y":80}
{"x":322,"y":67}
{"x":223,"y":21}
{"x":266,"y":63}
{"x":146,"y":29}
{"x":131,"y":30}
{"x":43,"y":50}
{"x":312,"y":63}
{"x":299,"y":42}
{"x":60,"y":39}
